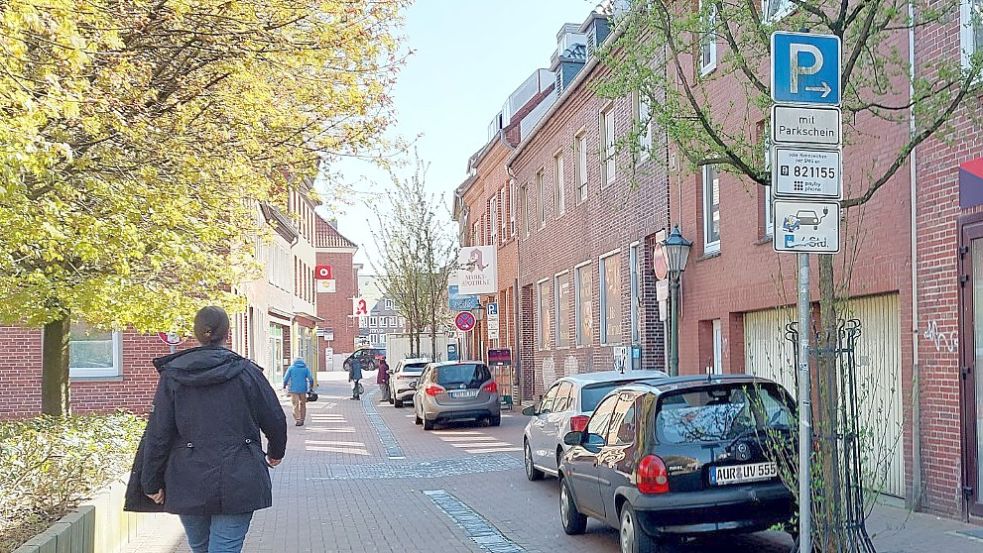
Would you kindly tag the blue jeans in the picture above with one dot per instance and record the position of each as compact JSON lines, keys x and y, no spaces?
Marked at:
{"x":216,"y":533}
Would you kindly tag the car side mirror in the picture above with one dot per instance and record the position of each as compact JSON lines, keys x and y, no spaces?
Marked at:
{"x":529,"y":411}
{"x":573,"y":438}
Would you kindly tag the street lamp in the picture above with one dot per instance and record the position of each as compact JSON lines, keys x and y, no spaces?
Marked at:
{"x":677,"y":253}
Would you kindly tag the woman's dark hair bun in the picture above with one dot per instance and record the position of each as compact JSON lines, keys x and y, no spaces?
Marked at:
{"x":211,"y":325}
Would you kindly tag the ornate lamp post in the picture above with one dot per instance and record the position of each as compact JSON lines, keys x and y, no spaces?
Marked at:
{"x":677,"y":253}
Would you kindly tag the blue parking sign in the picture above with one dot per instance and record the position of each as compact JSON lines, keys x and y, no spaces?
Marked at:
{"x":805,"y":68}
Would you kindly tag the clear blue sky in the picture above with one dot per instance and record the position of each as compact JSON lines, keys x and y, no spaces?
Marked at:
{"x":469,"y":56}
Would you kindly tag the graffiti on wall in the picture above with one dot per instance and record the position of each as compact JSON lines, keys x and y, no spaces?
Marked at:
{"x":944,"y":341}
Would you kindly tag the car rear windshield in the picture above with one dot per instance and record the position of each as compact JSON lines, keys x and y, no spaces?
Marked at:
{"x":471,"y":374}
{"x":414,"y":368}
{"x":591,"y":395}
{"x":721,"y":413}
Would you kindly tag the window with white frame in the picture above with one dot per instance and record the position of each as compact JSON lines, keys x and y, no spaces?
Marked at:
{"x":390,"y":304}
{"x":610,"y":291}
{"x":559,"y":195}
{"x":581,"y":146}
{"x":643,"y":114}
{"x":506,"y":212}
{"x":634,"y":262}
{"x":392,"y":322}
{"x":493,"y":213}
{"x":543,"y":314}
{"x":541,"y":190}
{"x":608,"y":168}
{"x":583,"y":304}
{"x":525,"y":209}
{"x":93,"y":353}
{"x":971,"y":30}
{"x":373,"y":322}
{"x":711,"y":209}
{"x":708,"y":38}
{"x":774,"y":10}
{"x":561,"y":292}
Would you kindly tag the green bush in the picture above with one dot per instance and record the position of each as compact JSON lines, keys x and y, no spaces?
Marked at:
{"x":48,"y":465}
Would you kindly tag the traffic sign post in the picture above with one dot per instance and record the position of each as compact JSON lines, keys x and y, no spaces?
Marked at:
{"x":464,"y":321}
{"x":806,"y":137}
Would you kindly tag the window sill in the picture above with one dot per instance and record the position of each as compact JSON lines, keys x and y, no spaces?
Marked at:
{"x":95,"y":379}
{"x":764,"y":240}
{"x":709,"y":255}
{"x":704,"y":71}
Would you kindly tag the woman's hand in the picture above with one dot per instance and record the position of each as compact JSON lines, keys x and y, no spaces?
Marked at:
{"x":273,"y":462}
{"x":158,"y":497}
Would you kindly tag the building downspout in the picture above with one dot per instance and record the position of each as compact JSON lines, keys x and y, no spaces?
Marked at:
{"x":914,"y":502}
{"x":516,"y":294}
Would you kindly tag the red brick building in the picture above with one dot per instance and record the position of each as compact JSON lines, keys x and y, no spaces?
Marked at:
{"x":588,"y":219}
{"x":949,"y":277}
{"x":484,"y":207}
{"x":338,"y":328}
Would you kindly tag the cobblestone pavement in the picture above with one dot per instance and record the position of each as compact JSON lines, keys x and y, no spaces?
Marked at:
{"x":360,"y":476}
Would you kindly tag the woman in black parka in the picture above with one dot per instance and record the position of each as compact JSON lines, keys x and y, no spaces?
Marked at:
{"x":203,"y":458}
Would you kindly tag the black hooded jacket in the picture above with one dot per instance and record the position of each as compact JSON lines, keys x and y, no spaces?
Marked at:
{"x":202,"y":444}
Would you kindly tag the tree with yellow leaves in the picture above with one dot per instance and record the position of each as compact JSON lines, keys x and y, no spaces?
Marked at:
{"x":136,"y":138}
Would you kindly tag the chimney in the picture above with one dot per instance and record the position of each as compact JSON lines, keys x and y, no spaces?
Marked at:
{"x":570,"y":55}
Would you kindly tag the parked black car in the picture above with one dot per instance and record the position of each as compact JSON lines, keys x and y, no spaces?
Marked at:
{"x":680,"y":456}
{"x":367,"y":358}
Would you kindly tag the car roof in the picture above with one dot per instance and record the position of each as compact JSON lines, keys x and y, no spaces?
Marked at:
{"x":585,"y":379}
{"x":414,"y":360}
{"x":676,"y":383}
{"x":448,"y":363}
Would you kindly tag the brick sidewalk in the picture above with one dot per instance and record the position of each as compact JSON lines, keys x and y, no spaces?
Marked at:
{"x":340,"y":489}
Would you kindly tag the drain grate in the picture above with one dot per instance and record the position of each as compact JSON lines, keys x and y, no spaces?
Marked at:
{"x":386,"y":437}
{"x":474,"y":525}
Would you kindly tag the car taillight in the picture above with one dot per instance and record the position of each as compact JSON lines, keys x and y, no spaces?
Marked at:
{"x":653,"y":477}
{"x":578,"y":423}
{"x":433,"y":389}
{"x":491,"y":387}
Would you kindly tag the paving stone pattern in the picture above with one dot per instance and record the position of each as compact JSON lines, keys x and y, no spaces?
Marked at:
{"x":339,"y":491}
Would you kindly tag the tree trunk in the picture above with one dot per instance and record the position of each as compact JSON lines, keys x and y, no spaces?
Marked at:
{"x":829,"y":423}
{"x":55,"y":398}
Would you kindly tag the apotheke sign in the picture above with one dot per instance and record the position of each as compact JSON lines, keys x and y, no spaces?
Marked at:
{"x":801,"y":125}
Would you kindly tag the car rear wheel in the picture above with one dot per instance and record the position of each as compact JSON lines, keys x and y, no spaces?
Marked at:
{"x":633,"y":538}
{"x":495,"y":421}
{"x":574,"y":523}
{"x":398,"y":403}
{"x":428,"y":425}
{"x":532,"y":473}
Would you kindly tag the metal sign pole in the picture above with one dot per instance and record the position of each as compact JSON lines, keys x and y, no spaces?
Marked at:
{"x":805,"y":411}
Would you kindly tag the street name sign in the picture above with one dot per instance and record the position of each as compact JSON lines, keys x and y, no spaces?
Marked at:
{"x":806,"y":173}
{"x":802,"y":125}
{"x":807,"y":227}
{"x":805,"y":68}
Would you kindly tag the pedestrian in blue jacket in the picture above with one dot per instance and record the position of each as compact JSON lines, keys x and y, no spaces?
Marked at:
{"x":298,"y":381}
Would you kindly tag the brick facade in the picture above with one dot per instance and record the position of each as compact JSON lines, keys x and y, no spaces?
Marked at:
{"x":946,"y":446}
{"x":335,"y":308}
{"x":627,"y":211}
{"x":20,"y":371}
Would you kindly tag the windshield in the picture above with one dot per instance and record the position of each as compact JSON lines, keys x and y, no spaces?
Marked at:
{"x":471,"y":375}
{"x":414,"y":368}
{"x":721,"y":413}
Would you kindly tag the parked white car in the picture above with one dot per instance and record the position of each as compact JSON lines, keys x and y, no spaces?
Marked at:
{"x":403,"y":378}
{"x":566,"y":407}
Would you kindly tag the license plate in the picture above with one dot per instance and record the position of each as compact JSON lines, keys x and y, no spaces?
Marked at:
{"x":464,"y":394}
{"x":740,"y":474}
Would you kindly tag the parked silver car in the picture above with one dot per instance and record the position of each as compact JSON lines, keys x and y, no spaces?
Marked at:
{"x":456,"y":390}
{"x":566,"y":407}
{"x":403,"y":378}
